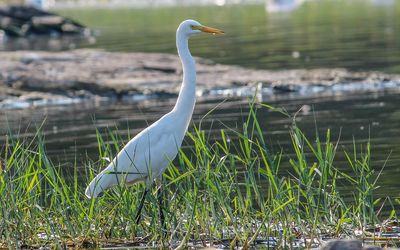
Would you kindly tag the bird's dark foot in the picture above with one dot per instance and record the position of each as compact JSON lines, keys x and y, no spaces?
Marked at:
{"x":161,"y":213}
{"x":139,"y":210}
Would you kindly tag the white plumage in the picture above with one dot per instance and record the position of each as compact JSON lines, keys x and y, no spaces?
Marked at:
{"x":148,"y":154}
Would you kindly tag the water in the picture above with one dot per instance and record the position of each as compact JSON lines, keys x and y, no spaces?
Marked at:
{"x":355,"y":34}
{"x":351,"y":34}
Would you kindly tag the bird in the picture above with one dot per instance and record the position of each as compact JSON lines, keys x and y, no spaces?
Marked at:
{"x":148,"y":154}
{"x":282,"y":5}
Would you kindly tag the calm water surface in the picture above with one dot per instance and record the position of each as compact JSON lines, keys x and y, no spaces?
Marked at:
{"x":355,"y":34}
{"x":351,"y":34}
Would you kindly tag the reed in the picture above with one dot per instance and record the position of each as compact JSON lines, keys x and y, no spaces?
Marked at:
{"x":228,"y":190}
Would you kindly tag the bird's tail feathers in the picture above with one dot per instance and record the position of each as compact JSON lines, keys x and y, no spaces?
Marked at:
{"x":100,"y":183}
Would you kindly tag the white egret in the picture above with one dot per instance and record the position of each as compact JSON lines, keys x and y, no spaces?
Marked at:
{"x":148,"y":154}
{"x":282,"y":5}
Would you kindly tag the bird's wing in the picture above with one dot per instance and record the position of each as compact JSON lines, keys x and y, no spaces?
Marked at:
{"x":146,"y":155}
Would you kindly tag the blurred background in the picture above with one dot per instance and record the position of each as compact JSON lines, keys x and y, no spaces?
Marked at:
{"x":359,"y":35}
{"x":268,"y":34}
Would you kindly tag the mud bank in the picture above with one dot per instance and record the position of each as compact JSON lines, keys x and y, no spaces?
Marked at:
{"x":29,"y":78}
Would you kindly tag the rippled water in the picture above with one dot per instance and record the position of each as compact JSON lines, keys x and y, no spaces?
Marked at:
{"x":351,"y":34}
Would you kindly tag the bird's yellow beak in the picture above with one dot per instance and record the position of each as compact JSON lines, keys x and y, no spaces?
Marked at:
{"x":207,"y":29}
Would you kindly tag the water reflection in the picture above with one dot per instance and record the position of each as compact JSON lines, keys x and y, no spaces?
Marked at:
{"x":56,"y":43}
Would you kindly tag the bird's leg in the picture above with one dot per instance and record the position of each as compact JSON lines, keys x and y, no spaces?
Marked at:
{"x":139,"y":210}
{"x":161,"y":206}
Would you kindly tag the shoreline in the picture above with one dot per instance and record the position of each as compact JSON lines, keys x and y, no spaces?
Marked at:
{"x":37,"y":78}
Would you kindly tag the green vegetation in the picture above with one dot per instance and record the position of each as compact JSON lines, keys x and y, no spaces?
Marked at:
{"x":228,"y":189}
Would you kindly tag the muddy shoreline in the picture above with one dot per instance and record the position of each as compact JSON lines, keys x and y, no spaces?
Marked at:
{"x":31,"y":78}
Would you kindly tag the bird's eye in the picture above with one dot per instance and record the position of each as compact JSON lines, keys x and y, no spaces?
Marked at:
{"x":195,"y":27}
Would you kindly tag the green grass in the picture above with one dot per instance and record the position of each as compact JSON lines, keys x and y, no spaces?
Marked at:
{"x":228,"y":190}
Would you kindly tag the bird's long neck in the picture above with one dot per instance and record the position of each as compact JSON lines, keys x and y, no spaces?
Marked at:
{"x":187,"y":95}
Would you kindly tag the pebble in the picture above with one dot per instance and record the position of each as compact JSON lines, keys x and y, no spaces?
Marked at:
{"x":349,"y":245}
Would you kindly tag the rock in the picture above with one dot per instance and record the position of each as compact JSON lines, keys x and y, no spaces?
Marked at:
{"x":22,"y":21}
{"x":86,"y":74}
{"x":348,"y":245}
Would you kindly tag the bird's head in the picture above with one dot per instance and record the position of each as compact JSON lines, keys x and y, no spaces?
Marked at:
{"x":192,"y":27}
